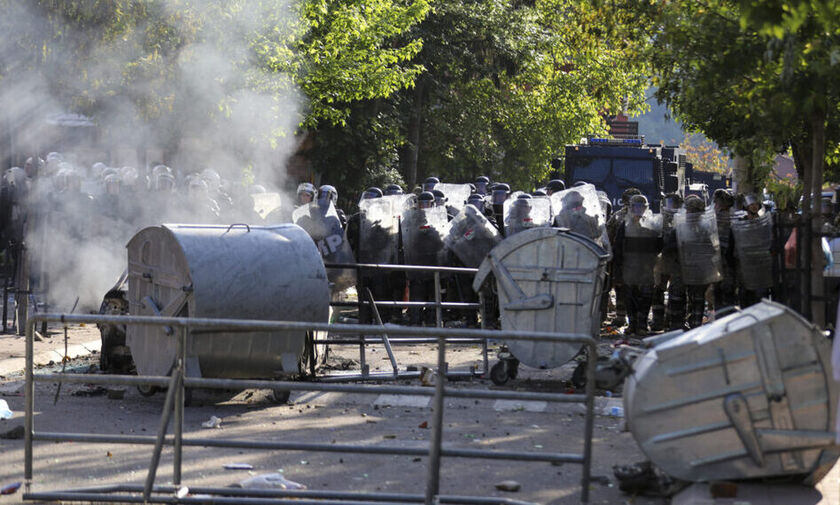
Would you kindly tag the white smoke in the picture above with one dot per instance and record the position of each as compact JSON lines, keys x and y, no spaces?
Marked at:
{"x":235,"y":117}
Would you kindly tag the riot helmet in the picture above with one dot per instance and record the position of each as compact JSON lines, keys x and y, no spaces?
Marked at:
{"x":579,"y":183}
{"x":425,"y":200}
{"x":539,"y":193}
{"x":112,"y":184}
{"x":306,"y":193}
{"x":393,"y":189}
{"x":97,"y":168}
{"x":672,"y":202}
{"x":327,"y":194}
{"x":523,"y":196}
{"x":752,"y":203}
{"x":256,"y":189}
{"x":440,"y":198}
{"x":481,"y":184}
{"x":627,"y":194}
{"x":477,"y":201}
{"x":572,"y":201}
{"x":164,"y":182}
{"x":371,"y":193}
{"x":694,"y":204}
{"x":638,"y":205}
{"x":554,"y":186}
{"x":723,"y":200}
{"x":500,"y":193}
{"x":430,"y":183}
{"x":161,"y":169}
{"x":212,"y":178}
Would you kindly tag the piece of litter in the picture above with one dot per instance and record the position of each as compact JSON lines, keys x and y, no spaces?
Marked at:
{"x":237,"y":466}
{"x":182,"y":492}
{"x":10,"y":488}
{"x":269,"y":481}
{"x":213,"y":422}
{"x":5,"y":412}
{"x":508,"y":485}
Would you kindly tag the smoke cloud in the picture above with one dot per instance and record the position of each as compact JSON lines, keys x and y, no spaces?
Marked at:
{"x":205,"y":102}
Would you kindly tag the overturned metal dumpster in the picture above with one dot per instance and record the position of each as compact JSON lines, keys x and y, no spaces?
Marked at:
{"x":237,"y":272}
{"x":749,"y":395}
{"x":548,"y":279}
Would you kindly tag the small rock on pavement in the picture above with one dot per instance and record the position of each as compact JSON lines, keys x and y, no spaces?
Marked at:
{"x":15,"y":433}
{"x":508,"y":485}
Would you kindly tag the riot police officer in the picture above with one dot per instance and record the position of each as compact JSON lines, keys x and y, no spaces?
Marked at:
{"x":668,"y":274}
{"x":613,"y":224}
{"x":638,"y":243}
{"x":725,"y":289}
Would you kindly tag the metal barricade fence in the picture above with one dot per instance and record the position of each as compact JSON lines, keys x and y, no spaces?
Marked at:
{"x":174,"y":404}
{"x":366,"y":299}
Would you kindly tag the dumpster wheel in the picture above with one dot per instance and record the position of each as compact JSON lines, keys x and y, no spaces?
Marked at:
{"x":280,"y":396}
{"x":147,"y":390}
{"x":504,"y":369}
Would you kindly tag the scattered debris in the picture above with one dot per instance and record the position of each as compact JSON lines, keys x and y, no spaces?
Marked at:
{"x":646,"y":480}
{"x":90,"y":391}
{"x":508,"y":485}
{"x":5,"y":411}
{"x":213,"y":422}
{"x":182,"y":492}
{"x":269,"y":481}
{"x":15,"y":433}
{"x":10,"y":489}
{"x":424,"y":425}
{"x":427,"y":377}
{"x":238,"y":466}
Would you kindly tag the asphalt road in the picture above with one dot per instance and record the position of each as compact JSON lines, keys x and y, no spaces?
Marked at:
{"x":369,"y":419}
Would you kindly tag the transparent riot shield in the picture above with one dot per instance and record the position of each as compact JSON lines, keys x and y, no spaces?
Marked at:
{"x":471,"y":236}
{"x":640,"y":248}
{"x":724,"y":227}
{"x":699,"y":247}
{"x":456,"y":194}
{"x":526,"y":213}
{"x":753,"y":238}
{"x":423,"y":231}
{"x":378,"y":231}
{"x":579,"y":209}
{"x":323,"y":225}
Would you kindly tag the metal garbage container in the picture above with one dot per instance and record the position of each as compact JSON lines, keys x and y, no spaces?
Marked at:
{"x":548,"y":279}
{"x":236,"y":272}
{"x":749,"y":395}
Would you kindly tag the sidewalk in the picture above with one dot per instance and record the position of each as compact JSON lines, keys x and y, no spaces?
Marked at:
{"x":82,"y":340}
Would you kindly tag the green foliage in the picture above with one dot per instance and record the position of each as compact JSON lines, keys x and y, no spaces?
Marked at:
{"x":750,"y":74}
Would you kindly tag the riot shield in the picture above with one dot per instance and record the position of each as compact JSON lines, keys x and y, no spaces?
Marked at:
{"x":640,"y":248}
{"x":699,"y":247}
{"x":753,"y":238}
{"x":471,"y":236}
{"x":266,"y":203}
{"x":579,"y":209}
{"x":670,"y":259}
{"x":323,"y":225}
{"x":422,"y":233}
{"x":524,"y":214}
{"x":378,"y":231}
{"x":724,"y":226}
{"x":456,"y":194}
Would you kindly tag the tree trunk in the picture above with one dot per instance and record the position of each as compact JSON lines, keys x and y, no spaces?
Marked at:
{"x":818,"y":260}
{"x":414,"y":127}
{"x":742,"y":173}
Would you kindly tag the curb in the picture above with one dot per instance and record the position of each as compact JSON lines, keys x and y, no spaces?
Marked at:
{"x":11,"y":366}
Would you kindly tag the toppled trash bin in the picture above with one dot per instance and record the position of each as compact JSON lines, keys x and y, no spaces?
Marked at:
{"x":548,"y":279}
{"x":235,"y":272}
{"x":750,"y":395}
